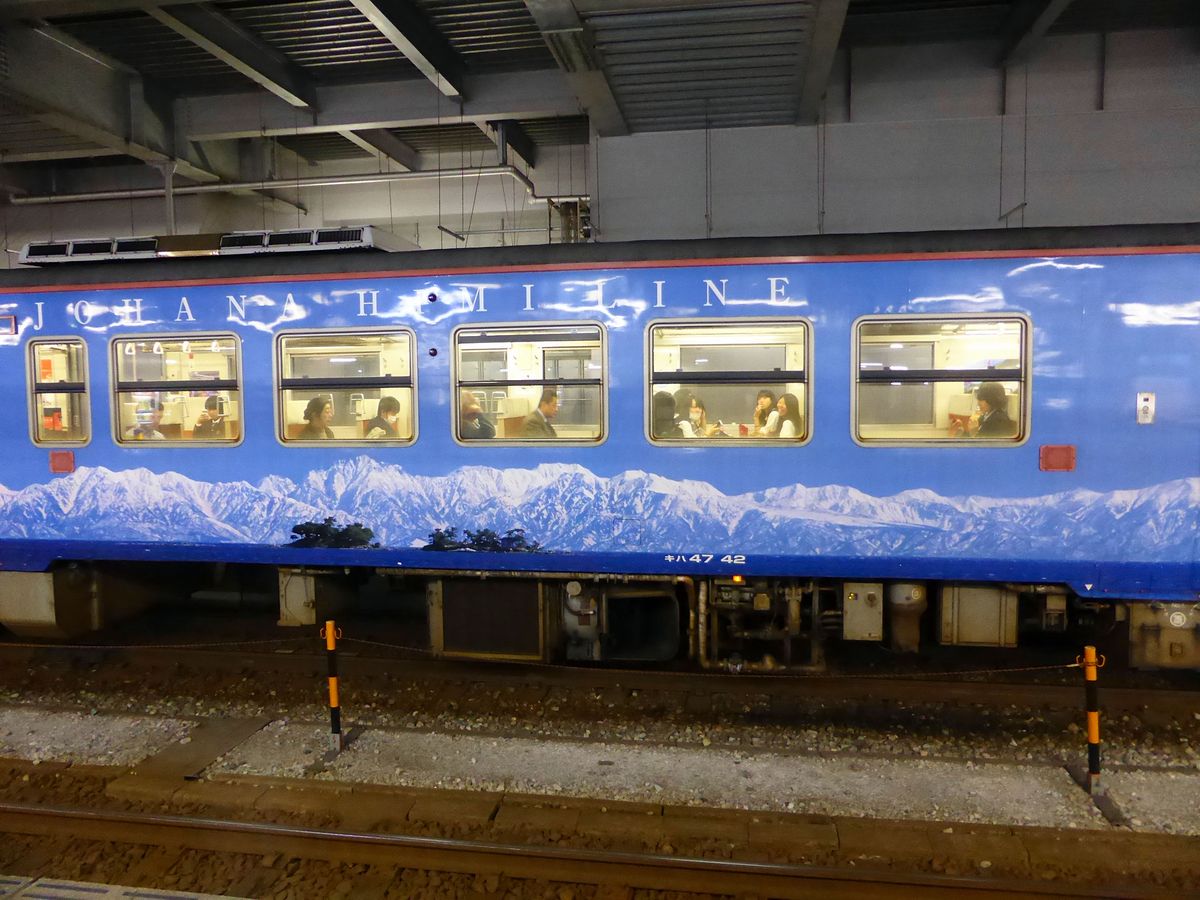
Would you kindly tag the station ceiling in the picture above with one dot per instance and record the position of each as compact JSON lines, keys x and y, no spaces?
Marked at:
{"x":87,"y":80}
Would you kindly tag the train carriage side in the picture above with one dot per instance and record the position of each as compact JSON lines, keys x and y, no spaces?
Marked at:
{"x":737,"y":461}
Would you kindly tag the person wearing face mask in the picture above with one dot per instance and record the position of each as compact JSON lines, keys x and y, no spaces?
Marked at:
{"x":384,"y":423}
{"x":473,"y":425}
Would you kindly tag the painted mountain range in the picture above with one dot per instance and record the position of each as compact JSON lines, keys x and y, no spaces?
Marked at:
{"x":568,"y":508}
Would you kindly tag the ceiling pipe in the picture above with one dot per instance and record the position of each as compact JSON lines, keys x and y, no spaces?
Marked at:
{"x":283,"y":184}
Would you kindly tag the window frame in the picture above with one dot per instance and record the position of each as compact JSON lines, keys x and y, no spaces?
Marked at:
{"x":72,"y":387}
{"x":775,"y":442}
{"x":278,"y":387}
{"x":534,"y":327}
{"x":115,"y":385}
{"x":1024,"y":379}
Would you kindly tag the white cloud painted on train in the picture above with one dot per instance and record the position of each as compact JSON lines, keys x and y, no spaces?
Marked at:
{"x":291,"y":312}
{"x":989,"y":299}
{"x":1143,"y":314}
{"x":1054,"y":264}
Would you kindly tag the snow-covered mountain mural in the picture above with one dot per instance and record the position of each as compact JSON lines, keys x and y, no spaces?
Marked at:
{"x":568,"y":508}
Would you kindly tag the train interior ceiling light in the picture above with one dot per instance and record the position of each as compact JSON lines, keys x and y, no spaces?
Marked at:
{"x":236,"y":243}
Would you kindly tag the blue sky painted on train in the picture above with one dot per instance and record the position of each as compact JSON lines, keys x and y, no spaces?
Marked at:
{"x":1106,"y":327}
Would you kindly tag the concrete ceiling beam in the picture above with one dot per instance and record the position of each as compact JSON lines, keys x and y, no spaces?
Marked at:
{"x":402,"y":23}
{"x":828,"y":20}
{"x":538,"y":94}
{"x":381,"y":142}
{"x":58,"y":86}
{"x":237,"y":48}
{"x":574,"y":49}
{"x":1027,"y":25}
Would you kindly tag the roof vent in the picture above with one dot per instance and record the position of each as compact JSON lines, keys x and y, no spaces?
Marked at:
{"x":45,"y":251}
{"x":242,"y":239}
{"x":82,"y":248}
{"x":289,"y":238}
{"x":136,"y":245}
{"x":339,"y":235}
{"x":236,"y":243}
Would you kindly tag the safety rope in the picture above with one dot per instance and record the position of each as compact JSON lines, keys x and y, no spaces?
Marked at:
{"x":715,"y":674}
{"x":426,"y":652}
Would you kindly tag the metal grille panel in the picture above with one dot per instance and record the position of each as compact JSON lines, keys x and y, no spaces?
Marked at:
{"x":459,"y":137}
{"x":330,"y":38}
{"x":170,"y":60}
{"x":490,"y":34}
{"x":323,"y":147}
{"x":714,"y":65}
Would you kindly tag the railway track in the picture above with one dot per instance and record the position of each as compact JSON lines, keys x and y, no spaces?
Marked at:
{"x":571,"y":866}
{"x":975,"y":688}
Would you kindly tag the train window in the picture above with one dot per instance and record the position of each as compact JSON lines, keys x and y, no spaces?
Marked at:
{"x":948,"y":379}
{"x":530,"y":383}
{"x":734,"y":382}
{"x":354,"y":387}
{"x":58,"y":382}
{"x":178,"y":389}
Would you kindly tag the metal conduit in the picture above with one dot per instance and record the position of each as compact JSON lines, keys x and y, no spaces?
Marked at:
{"x":280,"y":184}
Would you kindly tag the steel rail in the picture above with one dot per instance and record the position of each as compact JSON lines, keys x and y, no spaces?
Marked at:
{"x":648,"y":871}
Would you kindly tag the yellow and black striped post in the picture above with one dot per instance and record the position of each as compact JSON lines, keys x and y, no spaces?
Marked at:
{"x":1090,"y":666}
{"x":331,"y":634}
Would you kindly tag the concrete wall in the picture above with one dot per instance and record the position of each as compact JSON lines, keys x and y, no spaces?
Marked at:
{"x":1093,"y":130}
{"x":412,"y":210}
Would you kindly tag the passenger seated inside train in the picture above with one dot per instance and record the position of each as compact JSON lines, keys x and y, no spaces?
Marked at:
{"x":766,"y":415}
{"x":698,"y":420}
{"x":790,"y":425}
{"x":384,"y":423}
{"x":317,"y":416}
{"x":992,"y":419}
{"x":662,"y":417}
{"x":683,"y":404}
{"x":473,"y":425}
{"x":147,"y":428}
{"x":211,"y":424}
{"x":537,"y":424}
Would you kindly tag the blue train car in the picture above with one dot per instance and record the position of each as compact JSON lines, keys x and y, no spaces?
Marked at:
{"x":735,"y":458}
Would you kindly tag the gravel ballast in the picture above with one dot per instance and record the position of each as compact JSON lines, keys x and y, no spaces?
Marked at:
{"x":1158,"y":801}
{"x":102,"y":740}
{"x":709,"y":777}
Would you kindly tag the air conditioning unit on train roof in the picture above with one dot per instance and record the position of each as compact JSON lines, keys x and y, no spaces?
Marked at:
{"x":236,"y":243}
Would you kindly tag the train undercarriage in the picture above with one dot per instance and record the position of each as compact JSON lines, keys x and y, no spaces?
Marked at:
{"x":740,"y":624}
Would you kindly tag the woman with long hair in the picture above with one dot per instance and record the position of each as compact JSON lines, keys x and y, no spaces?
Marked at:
{"x":698,"y":418}
{"x":790,"y":425}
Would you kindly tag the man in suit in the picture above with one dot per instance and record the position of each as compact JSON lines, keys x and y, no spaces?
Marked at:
{"x":537,"y":423}
{"x":994,"y":421}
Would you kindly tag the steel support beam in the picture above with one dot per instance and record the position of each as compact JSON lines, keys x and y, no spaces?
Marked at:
{"x":508,"y":135}
{"x":402,"y":23}
{"x":57,"y":85}
{"x":828,"y":21}
{"x":381,"y":142}
{"x":1028,"y":24}
{"x":539,"y":94}
{"x":572,"y":46}
{"x":238,"y":49}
